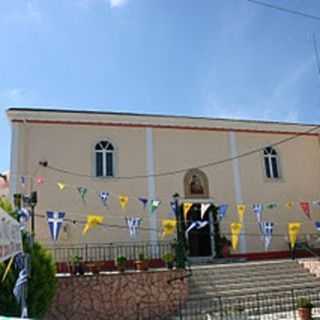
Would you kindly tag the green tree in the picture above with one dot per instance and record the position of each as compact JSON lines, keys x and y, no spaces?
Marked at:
{"x":41,"y":285}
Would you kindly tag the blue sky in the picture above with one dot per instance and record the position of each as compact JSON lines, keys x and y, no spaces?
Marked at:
{"x":219,"y":58}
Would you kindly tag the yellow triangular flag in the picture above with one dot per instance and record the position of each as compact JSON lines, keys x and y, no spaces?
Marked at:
{"x":289,"y":204}
{"x":92,"y":221}
{"x":293,"y":230}
{"x":61,"y":185}
{"x":168,"y":226}
{"x":7,"y":269}
{"x":235,"y":231}
{"x":241,"y":208}
{"x":186,"y":207}
{"x":123,"y":201}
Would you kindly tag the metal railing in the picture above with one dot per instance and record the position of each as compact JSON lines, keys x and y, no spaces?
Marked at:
{"x":272,"y":305}
{"x":92,"y":252}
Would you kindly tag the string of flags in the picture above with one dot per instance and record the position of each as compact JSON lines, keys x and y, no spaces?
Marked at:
{"x":153,"y":204}
{"x":56,"y":219}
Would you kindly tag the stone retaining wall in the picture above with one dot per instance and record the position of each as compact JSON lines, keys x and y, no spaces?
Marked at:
{"x":118,"y":296}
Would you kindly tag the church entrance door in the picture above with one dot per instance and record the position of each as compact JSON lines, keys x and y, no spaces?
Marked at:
{"x":199,"y":240}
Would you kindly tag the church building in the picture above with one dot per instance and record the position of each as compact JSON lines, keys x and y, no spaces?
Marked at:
{"x":85,"y":163}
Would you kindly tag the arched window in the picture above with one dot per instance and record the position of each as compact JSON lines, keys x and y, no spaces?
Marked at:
{"x":271,"y":163}
{"x":104,"y":156}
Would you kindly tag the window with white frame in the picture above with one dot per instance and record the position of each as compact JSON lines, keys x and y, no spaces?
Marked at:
{"x":104,"y":159}
{"x":271,"y":163}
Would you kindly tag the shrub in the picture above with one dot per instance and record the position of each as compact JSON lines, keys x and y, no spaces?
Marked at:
{"x":304,"y":303}
{"x":121,"y":261}
{"x":41,"y":285}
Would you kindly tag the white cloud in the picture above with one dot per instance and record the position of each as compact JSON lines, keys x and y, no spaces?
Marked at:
{"x":117,"y":3}
{"x":14,"y":95}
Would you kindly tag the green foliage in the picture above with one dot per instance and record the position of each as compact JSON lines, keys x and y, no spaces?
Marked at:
{"x":76,"y":260}
{"x":121,"y":261}
{"x":6,"y":205}
{"x":141,"y":256}
{"x":304,"y":303}
{"x":41,"y":285}
{"x":168,"y":257}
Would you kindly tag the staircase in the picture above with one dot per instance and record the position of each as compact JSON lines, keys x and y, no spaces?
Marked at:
{"x":249,"y":290}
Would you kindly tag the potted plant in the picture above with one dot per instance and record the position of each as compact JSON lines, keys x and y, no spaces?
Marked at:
{"x":142,"y":264}
{"x":121,"y":263}
{"x":225,"y":246}
{"x":168,"y":258}
{"x":304,"y":307}
{"x":77,"y":265}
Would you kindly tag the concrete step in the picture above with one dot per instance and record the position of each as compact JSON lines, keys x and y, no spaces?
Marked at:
{"x":277,"y":267}
{"x":247,"y":265}
{"x":245,"y":278}
{"x":262,"y":288}
{"x":252,"y":282}
{"x":242,"y":292}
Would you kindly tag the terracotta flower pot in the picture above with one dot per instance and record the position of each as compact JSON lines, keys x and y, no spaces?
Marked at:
{"x":305,"y":313}
{"x":142,"y":265}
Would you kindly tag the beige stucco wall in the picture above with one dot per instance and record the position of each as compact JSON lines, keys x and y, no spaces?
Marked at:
{"x":70,"y":147}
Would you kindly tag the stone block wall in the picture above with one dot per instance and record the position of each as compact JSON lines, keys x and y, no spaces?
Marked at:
{"x":118,"y":296}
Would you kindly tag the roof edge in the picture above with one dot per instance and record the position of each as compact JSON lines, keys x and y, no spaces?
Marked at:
{"x":150,"y":115}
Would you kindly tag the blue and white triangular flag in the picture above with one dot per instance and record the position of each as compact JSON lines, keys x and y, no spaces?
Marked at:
{"x":23,"y":181}
{"x":196,"y":224}
{"x":267,"y":228}
{"x":222,"y":211}
{"x":23,"y":217}
{"x":133,"y":225}
{"x":20,"y":283}
{"x":173,"y":205}
{"x":144,"y":202}
{"x":104,"y":196}
{"x":204,"y":208}
{"x":316,"y":203}
{"x":258,"y":209}
{"x":55,"y":221}
{"x":317,"y":224}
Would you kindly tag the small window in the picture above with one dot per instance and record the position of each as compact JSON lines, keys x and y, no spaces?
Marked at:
{"x":104,"y":159}
{"x":271,"y":163}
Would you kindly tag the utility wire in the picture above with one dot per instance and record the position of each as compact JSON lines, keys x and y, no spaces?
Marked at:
{"x":315,"y":46}
{"x":202,"y":166}
{"x":283,"y":9}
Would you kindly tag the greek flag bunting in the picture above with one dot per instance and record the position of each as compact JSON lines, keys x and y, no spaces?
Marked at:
{"x":104,"y":196}
{"x":267,"y":228}
{"x":55,"y":221}
{"x":222,"y":211}
{"x":317,"y":225}
{"x":258,"y":209}
{"x":204,"y":208}
{"x":144,"y":201}
{"x":21,"y":281}
{"x":23,"y":217}
{"x":196,"y":224}
{"x":133,"y":225}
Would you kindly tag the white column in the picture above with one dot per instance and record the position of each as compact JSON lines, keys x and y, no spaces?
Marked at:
{"x":153,"y":233}
{"x":237,"y":185}
{"x":14,"y":158}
